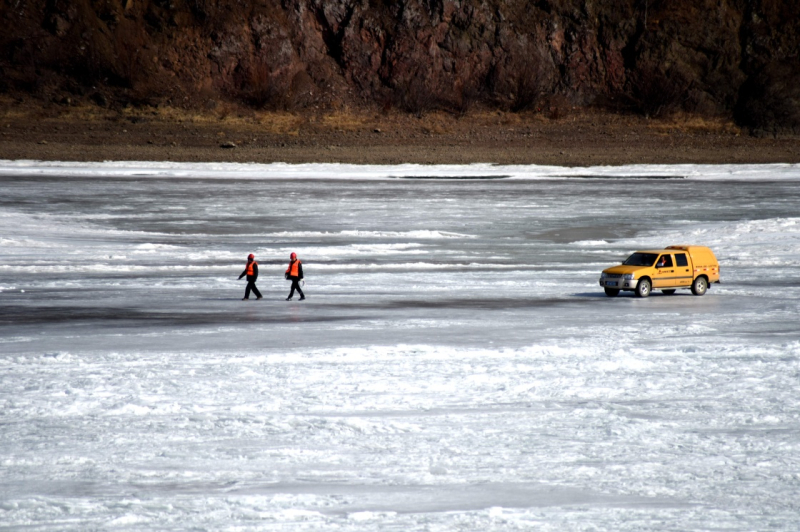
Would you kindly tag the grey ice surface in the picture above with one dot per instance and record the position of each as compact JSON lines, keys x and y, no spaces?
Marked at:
{"x":455,"y":365}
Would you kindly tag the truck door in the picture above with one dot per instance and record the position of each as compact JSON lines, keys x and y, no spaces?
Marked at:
{"x":683,"y":271}
{"x":664,"y":275}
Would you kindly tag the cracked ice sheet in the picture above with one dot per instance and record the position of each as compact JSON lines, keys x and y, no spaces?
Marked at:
{"x":455,"y":366}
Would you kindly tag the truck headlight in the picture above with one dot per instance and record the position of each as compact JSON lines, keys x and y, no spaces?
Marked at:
{"x":603,"y":275}
{"x":628,"y":277}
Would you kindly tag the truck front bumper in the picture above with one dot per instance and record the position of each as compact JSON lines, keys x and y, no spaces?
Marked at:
{"x":619,"y":284}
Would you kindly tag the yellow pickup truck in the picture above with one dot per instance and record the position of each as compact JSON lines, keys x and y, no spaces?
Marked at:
{"x":668,"y":269}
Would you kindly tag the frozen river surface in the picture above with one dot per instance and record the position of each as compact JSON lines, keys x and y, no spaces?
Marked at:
{"x":455,"y":366}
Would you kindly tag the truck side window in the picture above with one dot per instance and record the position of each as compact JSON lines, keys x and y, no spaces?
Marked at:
{"x":664,"y":261}
{"x":680,"y":259}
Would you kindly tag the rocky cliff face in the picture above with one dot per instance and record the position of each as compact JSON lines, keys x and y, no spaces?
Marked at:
{"x":718,"y":57}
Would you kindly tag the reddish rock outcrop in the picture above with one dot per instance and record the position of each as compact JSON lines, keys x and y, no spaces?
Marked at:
{"x":713,"y":57}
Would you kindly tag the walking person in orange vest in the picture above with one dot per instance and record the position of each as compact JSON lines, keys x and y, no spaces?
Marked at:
{"x":295,"y":273}
{"x":251,"y":271}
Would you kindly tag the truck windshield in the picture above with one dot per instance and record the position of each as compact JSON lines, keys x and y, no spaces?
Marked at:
{"x":641,"y":259}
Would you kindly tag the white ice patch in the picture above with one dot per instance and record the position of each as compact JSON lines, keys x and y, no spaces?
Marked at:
{"x":154,"y":248}
{"x":590,"y":243}
{"x":162,"y":170}
{"x":421,"y":235}
{"x":752,"y":243}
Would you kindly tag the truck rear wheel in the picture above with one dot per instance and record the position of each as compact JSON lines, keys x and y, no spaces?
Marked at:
{"x":699,"y":286}
{"x":610,"y":292}
{"x":643,"y":288}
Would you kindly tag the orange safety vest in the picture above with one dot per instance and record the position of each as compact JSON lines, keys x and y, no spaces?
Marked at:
{"x":294,"y":269}
{"x":250,"y":267}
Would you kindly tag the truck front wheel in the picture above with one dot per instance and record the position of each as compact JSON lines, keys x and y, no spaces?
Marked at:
{"x":611,"y":292}
{"x":643,"y":288}
{"x":699,"y":286}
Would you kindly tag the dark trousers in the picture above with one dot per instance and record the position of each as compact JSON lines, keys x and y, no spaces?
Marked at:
{"x":296,"y":286}
{"x":251,"y":285}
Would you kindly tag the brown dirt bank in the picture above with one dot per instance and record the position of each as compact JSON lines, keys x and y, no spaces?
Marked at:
{"x":581,"y":139}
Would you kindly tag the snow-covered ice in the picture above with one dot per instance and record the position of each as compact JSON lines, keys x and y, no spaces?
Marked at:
{"x":455,"y":367}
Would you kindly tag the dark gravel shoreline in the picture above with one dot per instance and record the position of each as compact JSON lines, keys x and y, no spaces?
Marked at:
{"x":587,"y":139}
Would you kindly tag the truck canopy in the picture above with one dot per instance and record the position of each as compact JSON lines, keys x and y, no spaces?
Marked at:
{"x":702,"y":257}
